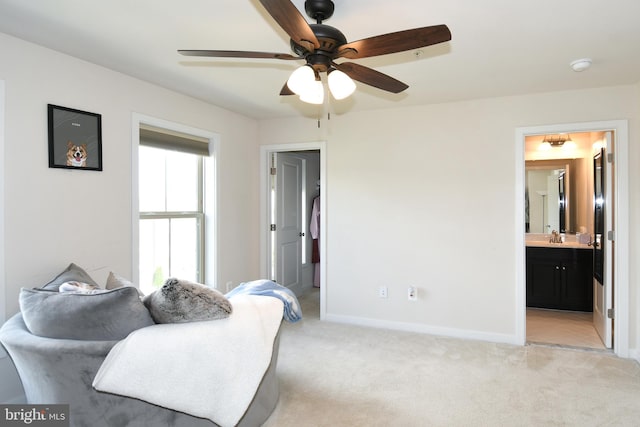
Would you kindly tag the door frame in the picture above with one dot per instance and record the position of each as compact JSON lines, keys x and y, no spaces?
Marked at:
{"x":265,"y":189}
{"x":621,"y":219}
{"x":211,"y":271}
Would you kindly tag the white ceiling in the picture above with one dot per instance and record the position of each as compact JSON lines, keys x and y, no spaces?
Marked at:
{"x":498,"y":47}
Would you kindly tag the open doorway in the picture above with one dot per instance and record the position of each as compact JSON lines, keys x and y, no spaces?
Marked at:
{"x":559,"y":195}
{"x":293,"y":222}
{"x":550,"y":276}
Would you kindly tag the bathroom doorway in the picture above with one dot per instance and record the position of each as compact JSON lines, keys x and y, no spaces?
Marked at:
{"x":558,"y":199}
{"x":573,"y":327}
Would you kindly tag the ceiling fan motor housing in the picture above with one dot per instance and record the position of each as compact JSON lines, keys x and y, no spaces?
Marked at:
{"x":330,"y":39}
{"x":319,"y":9}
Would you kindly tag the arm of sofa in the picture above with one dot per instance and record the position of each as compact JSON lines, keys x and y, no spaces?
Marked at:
{"x":52,"y":370}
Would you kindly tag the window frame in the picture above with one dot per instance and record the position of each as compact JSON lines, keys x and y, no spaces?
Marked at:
{"x":210,"y":182}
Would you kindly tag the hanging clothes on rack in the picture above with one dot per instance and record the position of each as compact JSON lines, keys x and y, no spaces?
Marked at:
{"x":314,"y":229}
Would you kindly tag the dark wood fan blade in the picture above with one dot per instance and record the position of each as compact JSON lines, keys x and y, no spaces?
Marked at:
{"x":371,"y":77}
{"x":292,"y":22}
{"x":236,"y":54}
{"x":286,"y":91}
{"x":395,"y":42}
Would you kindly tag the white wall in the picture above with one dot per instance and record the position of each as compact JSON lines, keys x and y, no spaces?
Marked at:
{"x":425,"y":196}
{"x":57,"y":216}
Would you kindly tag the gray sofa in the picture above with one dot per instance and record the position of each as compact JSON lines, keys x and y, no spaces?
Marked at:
{"x":62,"y":371}
{"x":66,"y":328}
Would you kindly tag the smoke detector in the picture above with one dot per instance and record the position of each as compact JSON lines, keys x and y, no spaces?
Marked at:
{"x":581,"y":64}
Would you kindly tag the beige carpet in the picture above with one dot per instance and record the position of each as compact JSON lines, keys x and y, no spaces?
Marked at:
{"x":341,"y":375}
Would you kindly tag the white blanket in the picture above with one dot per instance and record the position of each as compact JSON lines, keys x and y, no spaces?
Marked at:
{"x":209,"y":369}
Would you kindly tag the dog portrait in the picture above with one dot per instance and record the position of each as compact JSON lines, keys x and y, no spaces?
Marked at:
{"x":75,"y":139}
{"x":76,"y":155}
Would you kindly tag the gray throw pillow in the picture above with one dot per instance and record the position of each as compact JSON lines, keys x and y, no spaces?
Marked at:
{"x":72,"y":273}
{"x":180,"y":301}
{"x":102,"y":316}
{"x":115,"y":281}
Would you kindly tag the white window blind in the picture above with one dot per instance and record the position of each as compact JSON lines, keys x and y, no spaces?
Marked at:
{"x":171,"y":140}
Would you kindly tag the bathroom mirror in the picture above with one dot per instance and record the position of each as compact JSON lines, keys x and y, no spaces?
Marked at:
{"x":599,"y":197}
{"x":548,"y":196}
{"x":559,"y":184}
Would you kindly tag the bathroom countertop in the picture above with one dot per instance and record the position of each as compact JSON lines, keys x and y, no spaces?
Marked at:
{"x":546,"y":244}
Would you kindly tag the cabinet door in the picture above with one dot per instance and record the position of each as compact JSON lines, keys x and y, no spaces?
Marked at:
{"x":577,"y":286}
{"x":543,"y":283}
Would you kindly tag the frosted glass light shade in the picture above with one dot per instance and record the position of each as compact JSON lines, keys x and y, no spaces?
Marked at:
{"x":301,"y":79}
{"x":340,"y":84}
{"x":314,"y":93}
{"x":544,"y":146}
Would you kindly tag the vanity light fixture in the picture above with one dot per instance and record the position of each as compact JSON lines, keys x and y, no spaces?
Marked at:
{"x":556,"y":140}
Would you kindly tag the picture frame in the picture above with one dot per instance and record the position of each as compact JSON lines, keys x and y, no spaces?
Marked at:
{"x":75,"y":138}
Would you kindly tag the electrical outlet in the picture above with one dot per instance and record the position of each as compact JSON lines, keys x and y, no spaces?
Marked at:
{"x":412,"y":293}
{"x":382,"y":291}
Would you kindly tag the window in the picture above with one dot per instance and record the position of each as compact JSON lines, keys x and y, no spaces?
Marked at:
{"x":171,"y":206}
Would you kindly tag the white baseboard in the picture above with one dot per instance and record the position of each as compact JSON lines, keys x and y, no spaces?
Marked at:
{"x":425,"y":329}
{"x":634,"y":353}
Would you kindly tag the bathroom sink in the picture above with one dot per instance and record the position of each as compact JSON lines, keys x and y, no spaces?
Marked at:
{"x":547,"y":244}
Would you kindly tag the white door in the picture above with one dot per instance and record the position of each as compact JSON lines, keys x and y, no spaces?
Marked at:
{"x":289,"y":236}
{"x":603,"y":251}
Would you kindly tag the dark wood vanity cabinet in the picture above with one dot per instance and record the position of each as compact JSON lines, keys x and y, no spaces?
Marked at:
{"x":560,"y":278}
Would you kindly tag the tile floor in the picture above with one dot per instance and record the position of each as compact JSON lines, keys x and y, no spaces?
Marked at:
{"x":569,"y":328}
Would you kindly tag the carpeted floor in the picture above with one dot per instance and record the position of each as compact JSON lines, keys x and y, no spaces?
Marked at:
{"x":342,"y":375}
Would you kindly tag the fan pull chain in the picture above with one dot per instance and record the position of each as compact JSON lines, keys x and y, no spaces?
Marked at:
{"x":328,"y":116}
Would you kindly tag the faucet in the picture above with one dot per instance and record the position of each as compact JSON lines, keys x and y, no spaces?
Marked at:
{"x":555,"y":237}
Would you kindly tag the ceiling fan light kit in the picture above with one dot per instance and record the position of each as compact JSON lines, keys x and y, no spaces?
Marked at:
{"x":314,"y":93}
{"x":300,"y":79}
{"x":306,"y":83}
{"x":340,"y":85}
{"x":319,"y":45}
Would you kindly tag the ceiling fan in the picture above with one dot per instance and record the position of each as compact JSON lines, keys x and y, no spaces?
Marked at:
{"x":320,"y":45}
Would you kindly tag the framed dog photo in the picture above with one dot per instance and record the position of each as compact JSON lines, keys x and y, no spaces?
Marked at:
{"x":75,"y":139}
